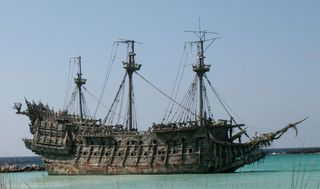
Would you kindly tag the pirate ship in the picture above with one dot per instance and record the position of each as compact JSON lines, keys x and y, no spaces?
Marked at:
{"x":187,"y":141}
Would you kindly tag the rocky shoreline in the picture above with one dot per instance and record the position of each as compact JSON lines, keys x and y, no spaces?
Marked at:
{"x":15,"y":168}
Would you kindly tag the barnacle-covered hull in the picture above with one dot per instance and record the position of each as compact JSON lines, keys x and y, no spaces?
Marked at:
{"x":70,"y":146}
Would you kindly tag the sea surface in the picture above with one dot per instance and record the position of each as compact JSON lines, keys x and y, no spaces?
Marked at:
{"x":274,"y":172}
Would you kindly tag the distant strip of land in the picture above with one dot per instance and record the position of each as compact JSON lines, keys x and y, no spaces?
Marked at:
{"x":294,"y":150}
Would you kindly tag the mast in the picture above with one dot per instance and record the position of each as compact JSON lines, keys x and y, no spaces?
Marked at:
{"x":130,"y":67}
{"x":79,"y":81}
{"x":201,"y":68}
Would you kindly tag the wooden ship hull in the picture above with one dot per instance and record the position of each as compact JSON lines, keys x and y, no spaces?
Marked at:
{"x":73,"y":147}
{"x":70,"y":148}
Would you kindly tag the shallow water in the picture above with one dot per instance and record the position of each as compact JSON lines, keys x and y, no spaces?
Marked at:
{"x":274,"y":172}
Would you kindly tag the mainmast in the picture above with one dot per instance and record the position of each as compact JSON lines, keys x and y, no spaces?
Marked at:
{"x":130,"y":67}
{"x":79,"y":81}
{"x":201,"y":68}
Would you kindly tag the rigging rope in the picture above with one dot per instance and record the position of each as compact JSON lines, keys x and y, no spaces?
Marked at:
{"x":212,"y":40}
{"x":188,"y":102}
{"x":70,"y":106}
{"x":179,"y":84}
{"x":85,"y":107}
{"x":109,"y":68}
{"x":217,"y":95}
{"x":160,"y":91}
{"x":95,"y":98}
{"x":67,"y":88}
{"x":115,"y":101}
{"x":69,"y":78}
{"x":222,"y":102}
{"x":135,"y":112}
{"x":121,"y":100}
{"x":125,"y":118}
{"x":208,"y":104}
{"x":174,"y":89}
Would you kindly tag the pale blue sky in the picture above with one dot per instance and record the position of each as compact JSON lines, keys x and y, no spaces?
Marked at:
{"x":266,"y":64}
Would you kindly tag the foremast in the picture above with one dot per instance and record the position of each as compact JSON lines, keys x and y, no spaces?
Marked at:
{"x":79,"y":81}
{"x":130,"y":66}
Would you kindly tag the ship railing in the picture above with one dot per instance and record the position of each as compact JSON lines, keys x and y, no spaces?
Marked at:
{"x":62,"y":116}
{"x":192,"y":124}
{"x":176,"y":125}
{"x":105,"y":132}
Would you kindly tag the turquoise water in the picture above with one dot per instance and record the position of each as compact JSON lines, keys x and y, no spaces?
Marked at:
{"x":274,"y":172}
